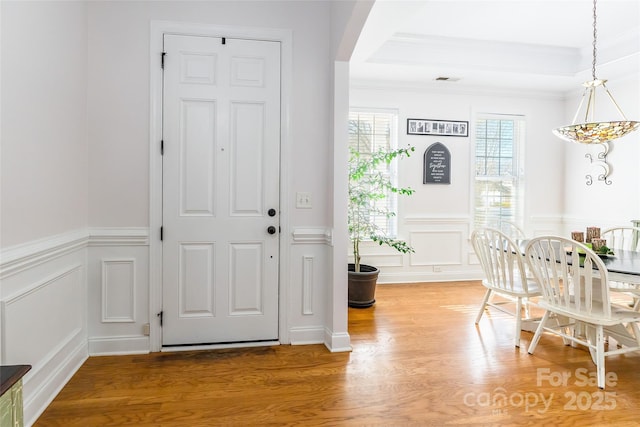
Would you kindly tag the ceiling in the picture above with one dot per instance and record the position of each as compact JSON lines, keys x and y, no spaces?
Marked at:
{"x":536,"y":45}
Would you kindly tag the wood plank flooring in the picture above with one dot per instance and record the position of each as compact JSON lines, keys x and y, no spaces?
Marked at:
{"x":418,"y":359}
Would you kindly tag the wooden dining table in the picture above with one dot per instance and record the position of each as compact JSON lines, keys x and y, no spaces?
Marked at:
{"x":622,"y":267}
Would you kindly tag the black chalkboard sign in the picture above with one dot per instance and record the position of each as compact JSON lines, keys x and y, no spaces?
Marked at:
{"x":437,"y":165}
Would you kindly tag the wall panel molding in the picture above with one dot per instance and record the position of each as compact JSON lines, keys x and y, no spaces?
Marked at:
{"x":118,"y":290}
{"x":447,"y":250}
{"x":307,"y":285}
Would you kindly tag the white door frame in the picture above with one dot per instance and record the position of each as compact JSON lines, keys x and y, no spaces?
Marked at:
{"x":158,"y":29}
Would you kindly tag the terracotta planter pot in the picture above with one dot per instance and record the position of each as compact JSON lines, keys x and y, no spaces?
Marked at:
{"x":362,"y":286}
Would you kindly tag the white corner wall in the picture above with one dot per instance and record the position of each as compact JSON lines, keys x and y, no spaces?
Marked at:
{"x":44,"y":193}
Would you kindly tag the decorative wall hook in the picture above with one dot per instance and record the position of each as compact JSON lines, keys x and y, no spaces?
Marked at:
{"x":600,"y":162}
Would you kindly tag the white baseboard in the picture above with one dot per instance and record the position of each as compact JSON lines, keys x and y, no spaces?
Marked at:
{"x":417,"y":277}
{"x":112,"y":346}
{"x":337,"y":342}
{"x":37,"y":400}
{"x":304,"y":336}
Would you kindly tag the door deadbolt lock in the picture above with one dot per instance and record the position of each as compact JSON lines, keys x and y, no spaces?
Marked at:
{"x":271,"y":212}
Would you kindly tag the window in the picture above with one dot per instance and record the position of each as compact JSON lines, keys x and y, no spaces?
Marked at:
{"x":498,"y":171}
{"x":370,"y":131}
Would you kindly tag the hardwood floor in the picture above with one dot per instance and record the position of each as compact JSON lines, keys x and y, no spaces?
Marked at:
{"x":418,"y":359}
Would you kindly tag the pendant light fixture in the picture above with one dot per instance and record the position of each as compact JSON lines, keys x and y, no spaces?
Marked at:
{"x":590,"y":131}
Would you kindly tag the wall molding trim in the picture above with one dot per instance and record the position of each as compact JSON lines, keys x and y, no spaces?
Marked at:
{"x":317,"y":235}
{"x":111,"y":236}
{"x":437,"y":220}
{"x":18,"y":258}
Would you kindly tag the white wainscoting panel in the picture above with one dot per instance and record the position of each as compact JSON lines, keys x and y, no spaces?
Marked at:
{"x":437,"y":247}
{"x":44,"y":301}
{"x":119,"y":290}
{"x":57,"y":302}
{"x":63,"y":296}
{"x":307,"y":290}
{"x":442,"y":252}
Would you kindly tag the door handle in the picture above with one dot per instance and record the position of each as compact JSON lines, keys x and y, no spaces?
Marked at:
{"x":271,"y":229}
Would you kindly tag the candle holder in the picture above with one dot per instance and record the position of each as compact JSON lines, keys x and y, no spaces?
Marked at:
{"x":597,"y":244}
{"x":592,"y":233}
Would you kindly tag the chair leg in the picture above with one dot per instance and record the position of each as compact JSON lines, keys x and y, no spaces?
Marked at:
{"x":536,"y":336}
{"x":484,"y":304}
{"x":636,"y":331}
{"x":518,"y":321}
{"x":527,"y":314}
{"x":600,"y":355}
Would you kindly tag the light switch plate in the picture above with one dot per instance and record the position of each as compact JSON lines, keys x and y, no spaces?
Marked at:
{"x":303,"y":200}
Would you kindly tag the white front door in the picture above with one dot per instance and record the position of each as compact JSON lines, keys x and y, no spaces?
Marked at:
{"x":221,"y":134}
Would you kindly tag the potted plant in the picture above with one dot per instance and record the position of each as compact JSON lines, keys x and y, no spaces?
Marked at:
{"x":368,"y":186}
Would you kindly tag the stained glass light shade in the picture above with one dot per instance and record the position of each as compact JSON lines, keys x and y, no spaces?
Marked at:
{"x":596,"y":133}
{"x":591,"y":131}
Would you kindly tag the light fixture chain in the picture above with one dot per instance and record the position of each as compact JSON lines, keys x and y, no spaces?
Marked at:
{"x":595,"y":36}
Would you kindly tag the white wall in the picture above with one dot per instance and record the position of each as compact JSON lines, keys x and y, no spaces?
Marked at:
{"x":437,"y":219}
{"x":44,"y":194}
{"x":76,"y":187}
{"x":118,"y":80}
{"x":44,"y":133}
{"x":600,"y":204}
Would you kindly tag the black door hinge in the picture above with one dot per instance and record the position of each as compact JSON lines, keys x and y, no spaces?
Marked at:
{"x":162,"y":147}
{"x":161,"y":233}
{"x":162,"y":60}
{"x":161,"y":316}
{"x":224,"y":40}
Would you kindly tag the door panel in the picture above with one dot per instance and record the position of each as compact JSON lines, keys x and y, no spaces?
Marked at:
{"x":246,"y":164}
{"x":221,"y":132}
{"x":197,"y":181}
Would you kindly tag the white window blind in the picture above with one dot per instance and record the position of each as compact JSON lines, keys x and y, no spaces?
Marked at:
{"x":498,"y":189}
{"x":370,"y":131}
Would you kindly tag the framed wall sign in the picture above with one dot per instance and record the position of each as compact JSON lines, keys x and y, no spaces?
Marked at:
{"x":437,"y":127}
{"x":437,"y":165}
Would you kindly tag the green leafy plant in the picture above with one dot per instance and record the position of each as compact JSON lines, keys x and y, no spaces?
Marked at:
{"x":368,"y":185}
